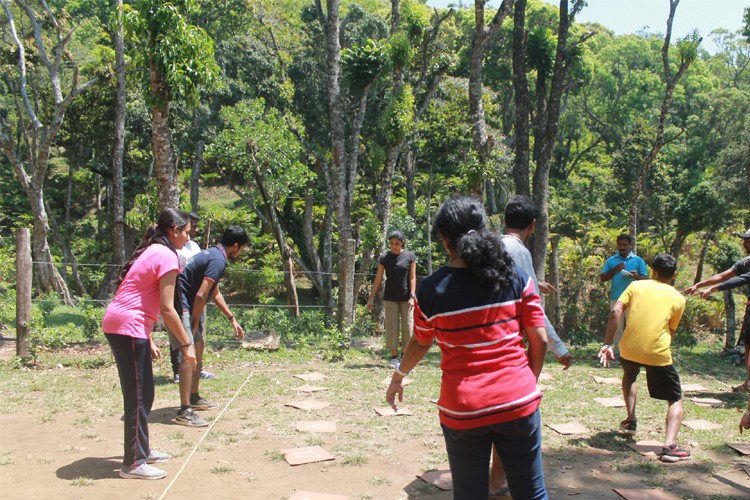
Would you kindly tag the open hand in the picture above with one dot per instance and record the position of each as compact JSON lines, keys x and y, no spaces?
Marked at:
{"x":606,"y":355}
{"x":395,"y":388}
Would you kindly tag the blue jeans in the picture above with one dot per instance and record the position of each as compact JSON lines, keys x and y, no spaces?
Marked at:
{"x":519,"y":443}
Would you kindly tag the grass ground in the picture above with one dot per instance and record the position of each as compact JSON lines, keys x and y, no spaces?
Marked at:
{"x":62,"y":429}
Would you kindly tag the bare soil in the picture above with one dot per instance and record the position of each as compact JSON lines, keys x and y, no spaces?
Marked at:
{"x":76,"y":453}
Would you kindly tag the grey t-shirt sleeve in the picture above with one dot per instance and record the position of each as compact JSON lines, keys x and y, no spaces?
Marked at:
{"x":742,"y":266}
{"x":736,"y":282}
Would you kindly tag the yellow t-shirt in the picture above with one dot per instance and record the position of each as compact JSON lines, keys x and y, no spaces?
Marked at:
{"x":653,"y":309}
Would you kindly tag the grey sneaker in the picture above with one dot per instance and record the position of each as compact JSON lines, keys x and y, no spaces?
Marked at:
{"x":395,"y":363}
{"x":157,"y":457}
{"x":199,"y":403}
{"x":207,"y":375}
{"x":143,"y":471}
{"x":190,"y":419}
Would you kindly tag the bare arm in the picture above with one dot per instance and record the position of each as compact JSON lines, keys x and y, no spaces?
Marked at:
{"x":224,"y":308}
{"x":611,"y":273}
{"x":376,"y":285}
{"x":713,"y":280}
{"x":537,"y":337}
{"x":415,"y":351}
{"x":412,"y":282}
{"x":606,"y":353}
{"x":199,"y":303}
{"x":167,"y":285}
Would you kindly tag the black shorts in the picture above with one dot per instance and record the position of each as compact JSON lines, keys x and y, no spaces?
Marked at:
{"x":663,"y":381}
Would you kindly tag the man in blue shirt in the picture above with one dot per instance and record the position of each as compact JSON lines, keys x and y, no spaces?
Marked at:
{"x":622,"y":269}
{"x":199,"y":283}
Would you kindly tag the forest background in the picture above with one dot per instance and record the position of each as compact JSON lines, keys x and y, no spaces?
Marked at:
{"x":321,"y":126}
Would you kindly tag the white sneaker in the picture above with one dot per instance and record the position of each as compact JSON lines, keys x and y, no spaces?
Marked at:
{"x":157,"y":457}
{"x":143,"y":471}
{"x":395,"y":363}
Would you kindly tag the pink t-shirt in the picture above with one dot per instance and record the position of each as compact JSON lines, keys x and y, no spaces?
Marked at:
{"x":135,"y":307}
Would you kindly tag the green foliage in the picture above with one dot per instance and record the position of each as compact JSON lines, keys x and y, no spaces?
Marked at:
{"x":400,"y":49}
{"x":363,"y":63}
{"x":398,"y":119}
{"x":181,"y":53}
{"x":415,"y":18}
{"x":540,"y":52}
{"x":700,"y":209}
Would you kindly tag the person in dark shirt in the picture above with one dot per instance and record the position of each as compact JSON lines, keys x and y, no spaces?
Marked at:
{"x":400,"y":268}
{"x":199,"y":282}
{"x":726,"y":280}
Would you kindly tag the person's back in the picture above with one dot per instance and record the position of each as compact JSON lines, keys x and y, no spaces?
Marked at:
{"x":479,"y":330}
{"x":209,"y":263}
{"x":654,"y":307}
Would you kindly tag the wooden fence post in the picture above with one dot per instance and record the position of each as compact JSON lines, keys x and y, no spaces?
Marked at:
{"x":23,"y":291}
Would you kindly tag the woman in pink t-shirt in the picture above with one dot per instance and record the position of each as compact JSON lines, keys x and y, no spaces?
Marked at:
{"x":146,"y":289}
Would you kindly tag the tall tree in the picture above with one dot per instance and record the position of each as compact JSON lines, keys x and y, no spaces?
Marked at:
{"x":687,"y":49}
{"x":176,"y":57}
{"x":40,"y":107}
{"x":547,"y":120}
{"x":483,"y":34}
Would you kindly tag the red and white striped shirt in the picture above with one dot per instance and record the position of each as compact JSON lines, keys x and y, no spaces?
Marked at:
{"x":486,"y":374}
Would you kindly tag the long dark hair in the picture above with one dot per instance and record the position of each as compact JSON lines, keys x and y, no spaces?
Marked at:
{"x":168,"y":219}
{"x":463,"y":223}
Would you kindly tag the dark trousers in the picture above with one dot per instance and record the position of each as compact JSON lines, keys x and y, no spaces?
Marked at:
{"x":133,"y":358}
{"x":519,"y":443}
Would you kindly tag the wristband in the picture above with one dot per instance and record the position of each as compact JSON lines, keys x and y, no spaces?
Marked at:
{"x":403,"y":374}
{"x":606,"y":345}
{"x":412,"y":295}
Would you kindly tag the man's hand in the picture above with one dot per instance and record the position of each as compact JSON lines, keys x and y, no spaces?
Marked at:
{"x":690,"y":290}
{"x":708,"y":291}
{"x":369,"y":304}
{"x":745,"y":421}
{"x":546,"y":288}
{"x":619,"y":267}
{"x":606,"y":355}
{"x":238,"y":331}
{"x":395,"y":388}
{"x":155,"y":351}
{"x":565,"y":360}
{"x":188,"y":353}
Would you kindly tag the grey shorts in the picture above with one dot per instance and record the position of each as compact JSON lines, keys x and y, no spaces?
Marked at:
{"x":194,"y":337}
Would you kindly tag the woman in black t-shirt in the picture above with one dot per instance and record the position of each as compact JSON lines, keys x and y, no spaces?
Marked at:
{"x":400,"y":268}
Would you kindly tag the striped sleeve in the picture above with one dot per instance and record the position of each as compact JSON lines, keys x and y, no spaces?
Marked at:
{"x":532,"y":313}
{"x":423,"y":329}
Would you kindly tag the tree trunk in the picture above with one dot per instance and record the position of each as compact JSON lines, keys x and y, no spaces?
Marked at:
{"x":702,"y":259}
{"x":195,"y":175}
{"x":522,"y":101}
{"x":553,"y":304}
{"x":161,"y":138}
{"x":118,"y":153}
{"x":410,"y":164}
{"x":545,"y":140}
{"x":731,"y":321}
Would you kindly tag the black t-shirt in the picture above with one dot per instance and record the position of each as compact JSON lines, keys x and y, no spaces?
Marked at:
{"x":397,"y":274}
{"x":210,"y":264}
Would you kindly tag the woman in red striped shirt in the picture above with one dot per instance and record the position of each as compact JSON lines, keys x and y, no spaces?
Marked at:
{"x":479,"y":308}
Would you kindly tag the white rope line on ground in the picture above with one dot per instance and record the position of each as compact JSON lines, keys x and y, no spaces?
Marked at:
{"x":197,"y":445}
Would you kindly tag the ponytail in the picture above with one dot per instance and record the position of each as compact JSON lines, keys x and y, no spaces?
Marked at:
{"x":463,"y":223}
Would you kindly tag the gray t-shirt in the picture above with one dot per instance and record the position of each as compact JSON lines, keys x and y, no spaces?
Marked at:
{"x":522,"y":258}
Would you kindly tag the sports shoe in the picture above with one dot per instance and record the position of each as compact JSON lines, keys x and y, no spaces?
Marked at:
{"x":628,"y":427}
{"x":143,"y":471}
{"x":199,"y":403}
{"x":207,"y":375}
{"x":157,"y":457}
{"x":395,"y":363}
{"x":673,"y":454}
{"x":190,"y":419}
{"x":177,"y":378}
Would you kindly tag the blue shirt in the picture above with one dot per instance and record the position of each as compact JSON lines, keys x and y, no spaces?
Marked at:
{"x":208,"y":264}
{"x":620,"y":281}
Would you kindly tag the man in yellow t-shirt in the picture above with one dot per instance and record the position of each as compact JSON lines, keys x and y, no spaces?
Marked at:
{"x":654,"y":311}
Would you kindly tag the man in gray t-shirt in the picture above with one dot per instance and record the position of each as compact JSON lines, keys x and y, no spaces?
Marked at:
{"x":725,"y":281}
{"x":520,"y":221}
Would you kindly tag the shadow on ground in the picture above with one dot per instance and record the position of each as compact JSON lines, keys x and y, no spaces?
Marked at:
{"x":91,"y":468}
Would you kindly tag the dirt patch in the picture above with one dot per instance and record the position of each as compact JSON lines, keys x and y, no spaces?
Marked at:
{"x":75,"y":453}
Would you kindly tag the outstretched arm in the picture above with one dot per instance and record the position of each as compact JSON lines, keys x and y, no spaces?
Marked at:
{"x":713,"y":280}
